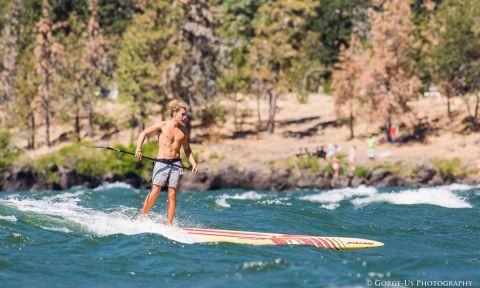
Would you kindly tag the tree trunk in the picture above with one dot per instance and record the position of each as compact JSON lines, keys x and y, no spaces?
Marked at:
{"x":351,"y":121}
{"x":388,"y":125}
{"x":77,"y":124}
{"x":475,"y":117}
{"x":31,"y":141}
{"x":235,"y":109}
{"x":259,"y":118}
{"x":272,"y":103}
{"x":90,"y":120}
{"x":46,"y":103}
{"x":449,"y":111}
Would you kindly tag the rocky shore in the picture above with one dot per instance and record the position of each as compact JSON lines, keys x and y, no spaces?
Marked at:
{"x":232,"y":177}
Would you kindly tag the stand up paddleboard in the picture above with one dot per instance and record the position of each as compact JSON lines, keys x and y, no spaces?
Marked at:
{"x":258,"y":238}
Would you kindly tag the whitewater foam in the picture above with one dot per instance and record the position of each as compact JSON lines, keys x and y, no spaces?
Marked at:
{"x":57,"y":229}
{"x":112,"y":185}
{"x":448,"y":196}
{"x":8,"y":218}
{"x":433,"y":196}
{"x":73,"y":196}
{"x":97,"y":222}
{"x":338,"y":195}
{"x":249,"y":195}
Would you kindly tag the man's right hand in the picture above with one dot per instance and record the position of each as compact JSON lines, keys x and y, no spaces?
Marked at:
{"x":138,"y":154}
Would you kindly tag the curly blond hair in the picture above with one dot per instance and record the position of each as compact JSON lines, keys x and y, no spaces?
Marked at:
{"x":175,"y":105}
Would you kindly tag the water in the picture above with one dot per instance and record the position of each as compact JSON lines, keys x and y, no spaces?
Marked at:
{"x":89,"y":238}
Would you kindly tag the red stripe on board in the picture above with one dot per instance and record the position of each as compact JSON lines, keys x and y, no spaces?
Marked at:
{"x":318,"y":243}
{"x":332,"y":243}
{"x":325,"y":243}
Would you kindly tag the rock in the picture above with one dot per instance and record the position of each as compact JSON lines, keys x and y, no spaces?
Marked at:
{"x":23,"y":179}
{"x":67,"y":179}
{"x":306,"y":181}
{"x":358,"y":181}
{"x":195,"y":182}
{"x":425,"y":175}
{"x":131,"y":178}
{"x":322,"y":182}
{"x":471,"y":179}
{"x":391,"y":180}
{"x":340,"y":181}
{"x":378,"y":175}
{"x":436,"y":181}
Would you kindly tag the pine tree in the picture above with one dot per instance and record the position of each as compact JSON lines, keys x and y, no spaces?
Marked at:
{"x":96,"y":62}
{"x":277,"y":44}
{"x":9,"y":50}
{"x":26,"y":100}
{"x":48,"y":54}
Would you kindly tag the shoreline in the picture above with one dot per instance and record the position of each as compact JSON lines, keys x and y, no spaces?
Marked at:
{"x":230,"y":177}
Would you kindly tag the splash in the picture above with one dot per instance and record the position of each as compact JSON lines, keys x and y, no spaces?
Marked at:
{"x":448,"y":196}
{"x":9,"y":218}
{"x":101,"y":223}
{"x":331,"y":198}
{"x":249,"y":195}
{"x":432,"y":196}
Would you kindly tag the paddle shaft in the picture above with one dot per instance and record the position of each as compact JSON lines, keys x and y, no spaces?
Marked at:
{"x":130,"y":153}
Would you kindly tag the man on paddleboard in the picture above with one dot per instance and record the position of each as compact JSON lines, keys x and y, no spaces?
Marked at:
{"x":173,"y":134}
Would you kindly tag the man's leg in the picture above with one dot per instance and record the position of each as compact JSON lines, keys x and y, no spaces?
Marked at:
{"x":150,"y":199}
{"x":172,"y":204}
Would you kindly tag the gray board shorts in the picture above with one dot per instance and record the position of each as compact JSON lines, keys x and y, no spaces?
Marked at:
{"x":167,"y":174}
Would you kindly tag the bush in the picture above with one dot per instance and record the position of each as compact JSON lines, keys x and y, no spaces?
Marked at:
{"x":212,"y":115}
{"x":449,"y":169}
{"x":215,"y":156}
{"x":8,"y":152}
{"x":360,"y":172}
{"x":311,"y":163}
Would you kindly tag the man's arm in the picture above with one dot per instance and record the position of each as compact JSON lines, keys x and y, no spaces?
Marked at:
{"x":147,"y":132}
{"x":188,"y":152}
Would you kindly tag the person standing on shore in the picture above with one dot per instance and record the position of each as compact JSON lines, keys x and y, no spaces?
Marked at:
{"x":173,"y":134}
{"x":351,"y":158}
{"x":371,"y":144}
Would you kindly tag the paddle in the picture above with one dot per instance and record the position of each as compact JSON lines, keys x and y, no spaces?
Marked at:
{"x":130,"y":153}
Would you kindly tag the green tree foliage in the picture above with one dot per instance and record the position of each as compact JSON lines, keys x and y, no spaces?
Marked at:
{"x":276,"y":47}
{"x":455,"y":54}
{"x":144,"y":55}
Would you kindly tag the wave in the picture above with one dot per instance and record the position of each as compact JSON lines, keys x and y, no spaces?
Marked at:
{"x":249,"y":195}
{"x":112,"y":185}
{"x":432,"y":196}
{"x":100,"y":223}
{"x":9,"y":218}
{"x":447,"y":196}
{"x":337,"y":195}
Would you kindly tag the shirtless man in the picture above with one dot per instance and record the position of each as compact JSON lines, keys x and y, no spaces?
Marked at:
{"x":173,"y":135}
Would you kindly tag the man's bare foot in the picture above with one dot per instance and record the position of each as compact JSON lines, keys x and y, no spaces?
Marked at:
{"x":141,"y":216}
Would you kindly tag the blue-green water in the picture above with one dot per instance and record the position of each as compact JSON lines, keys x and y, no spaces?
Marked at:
{"x":89,"y":238}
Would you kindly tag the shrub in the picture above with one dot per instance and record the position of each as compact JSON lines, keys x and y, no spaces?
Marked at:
{"x":449,"y":169}
{"x":311,"y":163}
{"x":8,"y":152}
{"x":212,"y":115}
{"x":360,"y":172}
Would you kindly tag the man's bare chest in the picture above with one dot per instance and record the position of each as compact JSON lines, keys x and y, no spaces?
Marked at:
{"x":172,"y":135}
